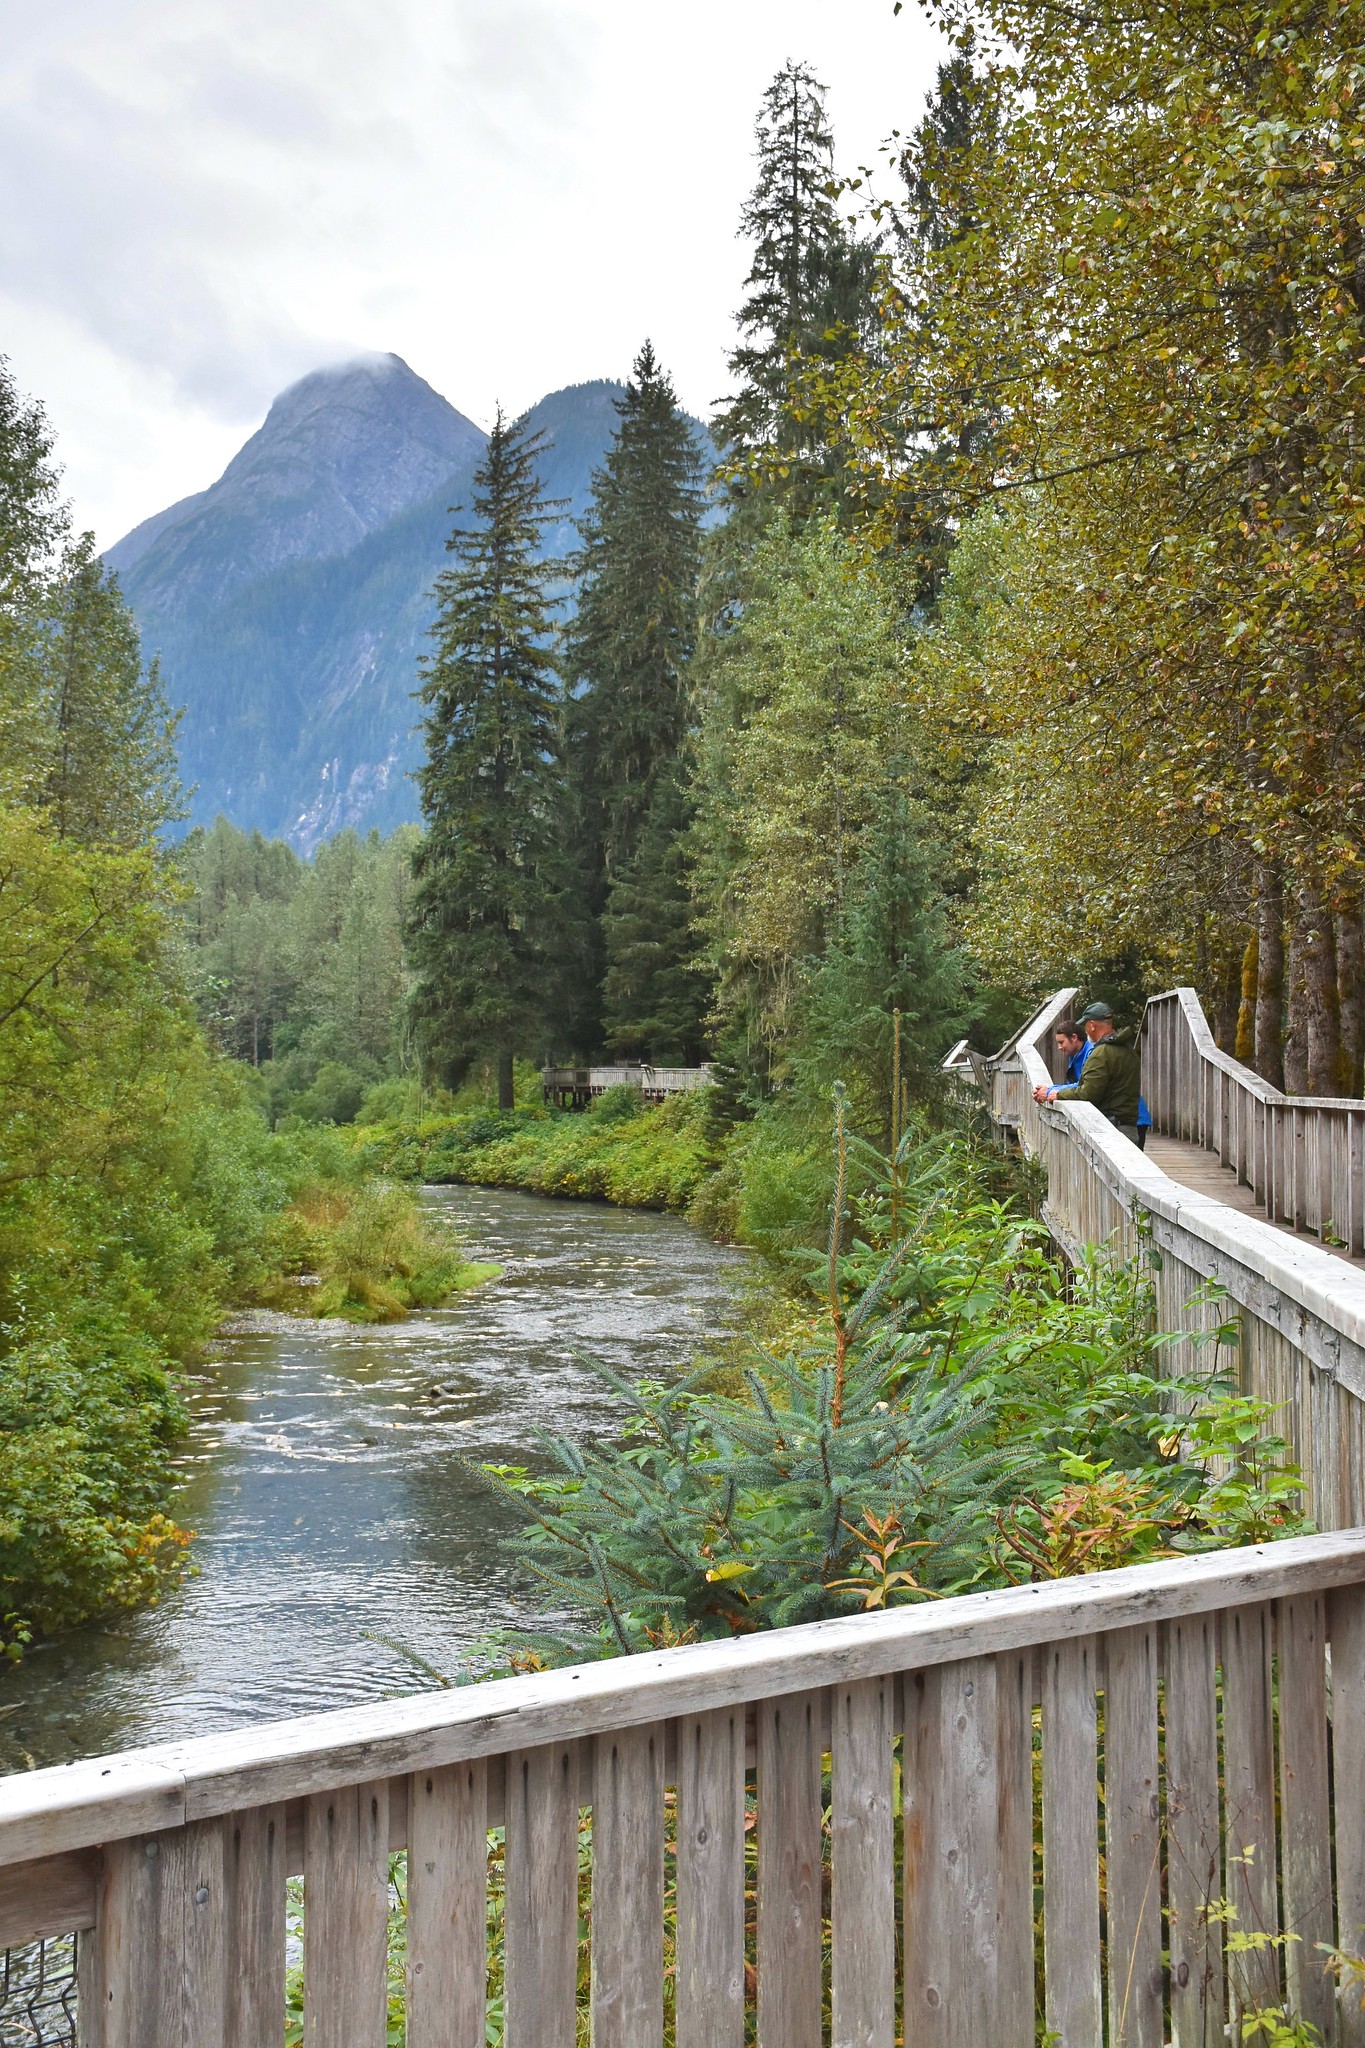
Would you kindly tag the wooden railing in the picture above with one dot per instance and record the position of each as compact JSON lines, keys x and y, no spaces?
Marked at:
{"x":1303,"y":1156}
{"x":1299,"y":1312}
{"x":1218,"y":1701}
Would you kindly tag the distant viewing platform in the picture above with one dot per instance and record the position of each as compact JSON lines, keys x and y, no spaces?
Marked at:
{"x":576,"y":1087}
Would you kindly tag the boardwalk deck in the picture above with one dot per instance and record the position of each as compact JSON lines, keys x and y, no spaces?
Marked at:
{"x":1200,"y":1171}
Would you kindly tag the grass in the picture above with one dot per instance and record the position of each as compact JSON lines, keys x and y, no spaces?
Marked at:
{"x":373,"y":1252}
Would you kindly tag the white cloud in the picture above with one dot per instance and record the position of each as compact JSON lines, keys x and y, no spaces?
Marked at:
{"x":203,"y":200}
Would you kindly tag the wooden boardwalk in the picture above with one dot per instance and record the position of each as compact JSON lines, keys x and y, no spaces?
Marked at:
{"x":1199,"y":1170}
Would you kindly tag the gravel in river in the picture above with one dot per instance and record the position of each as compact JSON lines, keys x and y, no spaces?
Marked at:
{"x":328,"y":1506}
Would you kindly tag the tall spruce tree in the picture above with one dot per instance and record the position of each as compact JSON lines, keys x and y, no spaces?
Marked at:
{"x":110,"y":758}
{"x":630,"y":642}
{"x":490,"y":784}
{"x":809,"y":289}
{"x":655,"y":996}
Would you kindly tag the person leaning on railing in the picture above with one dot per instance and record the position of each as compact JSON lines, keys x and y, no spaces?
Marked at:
{"x":1111,"y":1076}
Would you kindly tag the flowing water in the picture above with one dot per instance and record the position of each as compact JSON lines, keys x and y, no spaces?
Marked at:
{"x":322,"y":1474}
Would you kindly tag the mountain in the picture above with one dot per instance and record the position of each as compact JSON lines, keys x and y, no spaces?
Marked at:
{"x":289,"y":602}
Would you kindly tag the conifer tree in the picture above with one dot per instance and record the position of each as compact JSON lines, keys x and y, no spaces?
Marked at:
{"x":631,"y":640}
{"x":110,"y":735}
{"x":490,"y":784}
{"x":809,"y":289}
{"x":654,"y":996}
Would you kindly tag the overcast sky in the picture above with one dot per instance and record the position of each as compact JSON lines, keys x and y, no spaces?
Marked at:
{"x":202,"y":199}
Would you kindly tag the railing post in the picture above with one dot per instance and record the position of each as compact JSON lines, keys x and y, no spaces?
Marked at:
{"x":862,"y":1828}
{"x":154,"y":1970}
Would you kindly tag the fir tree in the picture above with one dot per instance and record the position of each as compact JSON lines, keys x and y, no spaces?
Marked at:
{"x":654,"y":997}
{"x":809,"y":290}
{"x":110,"y":775}
{"x":631,"y":640}
{"x":490,"y":783}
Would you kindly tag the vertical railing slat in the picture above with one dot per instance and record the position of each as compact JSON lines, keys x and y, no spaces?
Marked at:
{"x":447,"y":1958}
{"x":254,"y":1874}
{"x":789,"y":1872}
{"x":346,"y":1917}
{"x":1305,"y":1808}
{"x":1193,"y":1842}
{"x":541,"y":1924}
{"x":628,"y":1889}
{"x":952,"y":1854}
{"x":1347,"y":1616}
{"x":1015,"y":1995}
{"x":862,"y":1825}
{"x":710,"y":1825}
{"x":1071,"y":1887}
{"x":1249,"y":1805}
{"x":1132,"y":1836}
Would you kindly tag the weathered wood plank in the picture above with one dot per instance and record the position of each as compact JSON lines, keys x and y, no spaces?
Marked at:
{"x":951,"y":1854}
{"x":1194,"y":1855}
{"x":207,"y":1909}
{"x":789,"y":1872}
{"x":346,"y":1918}
{"x":1132,"y":1835}
{"x":447,"y":1961}
{"x":254,"y":1847}
{"x":1014,"y":2015}
{"x":1305,"y":1809}
{"x":1249,"y":1805}
{"x":862,"y":1826}
{"x":628,"y":1889}
{"x":132,"y":1968}
{"x":542,"y":1897}
{"x":1347,"y":1617}
{"x":1071,"y":1890}
{"x":54,"y":1895}
{"x":710,"y":1968}
{"x":44,"y":1812}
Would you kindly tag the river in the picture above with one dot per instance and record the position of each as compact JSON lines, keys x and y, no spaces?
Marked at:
{"x":322,"y":1477}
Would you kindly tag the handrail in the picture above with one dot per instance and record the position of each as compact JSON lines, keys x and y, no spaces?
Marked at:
{"x":171,"y":1863}
{"x":72,"y":1806}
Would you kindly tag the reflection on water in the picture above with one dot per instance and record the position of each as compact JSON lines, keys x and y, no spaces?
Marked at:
{"x":320,"y":1480}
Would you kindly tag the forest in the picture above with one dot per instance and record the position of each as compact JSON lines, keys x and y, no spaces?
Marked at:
{"x":1013,"y":641}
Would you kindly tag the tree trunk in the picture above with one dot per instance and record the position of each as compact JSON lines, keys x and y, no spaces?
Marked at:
{"x":1244,"y":1046}
{"x":1322,"y":1017}
{"x":506,"y":1091}
{"x":1227,"y":1013}
{"x":1350,"y":936}
{"x":1296,"y":1031}
{"x":1269,"y":1031}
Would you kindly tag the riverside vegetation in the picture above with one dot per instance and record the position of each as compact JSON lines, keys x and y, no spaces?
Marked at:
{"x":1039,"y":478}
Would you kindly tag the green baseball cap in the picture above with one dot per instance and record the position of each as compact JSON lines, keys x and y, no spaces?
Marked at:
{"x":1095,"y":1013}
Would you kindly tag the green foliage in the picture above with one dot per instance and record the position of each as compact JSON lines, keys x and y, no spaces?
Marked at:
{"x":954,"y":1414}
{"x":482,"y":908}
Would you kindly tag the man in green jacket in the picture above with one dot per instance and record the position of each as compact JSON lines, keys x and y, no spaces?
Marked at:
{"x":1111,"y":1077}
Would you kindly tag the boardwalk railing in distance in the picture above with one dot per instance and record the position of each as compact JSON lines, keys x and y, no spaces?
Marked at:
{"x":729,"y":1822}
{"x":1297,"y":1312}
{"x":1303,"y":1156}
{"x":575,"y":1087}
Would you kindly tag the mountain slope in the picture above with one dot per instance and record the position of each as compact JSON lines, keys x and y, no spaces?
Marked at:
{"x":290,"y":601}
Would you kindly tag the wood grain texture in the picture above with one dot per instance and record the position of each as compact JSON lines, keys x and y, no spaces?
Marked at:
{"x":710,"y":1836}
{"x":952,"y":1863}
{"x":1014,"y":1693}
{"x":1132,"y":1836}
{"x":863,"y":1899}
{"x":542,"y":1897}
{"x":447,"y":1960}
{"x":345,"y":1918}
{"x":1071,"y":1890}
{"x":1249,"y":1860}
{"x":46,"y":1812}
{"x":1305,"y":1809}
{"x":1347,"y":1618}
{"x":789,"y":1872}
{"x":54,"y":1895}
{"x":628,"y":1889}
{"x":254,"y":1872}
{"x":133,"y":1965}
{"x":1194,"y":1853}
